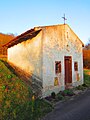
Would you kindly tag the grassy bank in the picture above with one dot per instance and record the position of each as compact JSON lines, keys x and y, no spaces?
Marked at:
{"x":87,"y":77}
{"x":16,"y":101}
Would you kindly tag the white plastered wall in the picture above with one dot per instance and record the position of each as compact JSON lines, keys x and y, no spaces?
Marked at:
{"x":58,"y":43}
{"x":27,"y":55}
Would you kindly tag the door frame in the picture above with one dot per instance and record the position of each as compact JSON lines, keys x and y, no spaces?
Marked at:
{"x":68,"y":69}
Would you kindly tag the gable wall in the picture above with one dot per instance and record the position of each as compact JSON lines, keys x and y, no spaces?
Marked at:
{"x":76,"y":46}
{"x":56,"y":45}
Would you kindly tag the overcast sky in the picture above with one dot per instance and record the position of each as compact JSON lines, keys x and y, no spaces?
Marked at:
{"x":18,"y":16}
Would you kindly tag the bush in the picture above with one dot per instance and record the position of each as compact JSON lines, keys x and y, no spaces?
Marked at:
{"x":84,"y":85}
{"x":53,"y":95}
{"x":67,"y":92}
{"x":80,"y":87}
{"x":60,"y":97}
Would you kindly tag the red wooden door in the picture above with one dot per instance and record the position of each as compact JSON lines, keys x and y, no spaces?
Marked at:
{"x":68,"y":69}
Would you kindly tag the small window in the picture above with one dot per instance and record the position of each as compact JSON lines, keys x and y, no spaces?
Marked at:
{"x":58,"y":67}
{"x":76,"y":66}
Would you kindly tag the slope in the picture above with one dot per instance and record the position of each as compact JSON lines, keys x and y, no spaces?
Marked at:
{"x":16,"y":97}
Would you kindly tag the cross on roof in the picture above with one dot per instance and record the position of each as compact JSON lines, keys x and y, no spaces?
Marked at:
{"x":64,"y":19}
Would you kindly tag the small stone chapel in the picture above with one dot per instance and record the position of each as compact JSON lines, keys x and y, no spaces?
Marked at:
{"x":51,"y":53}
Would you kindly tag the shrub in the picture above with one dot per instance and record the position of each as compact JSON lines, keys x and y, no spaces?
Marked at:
{"x":60,"y":97}
{"x":70,"y":93}
{"x":53,"y":95}
{"x":80,"y":87}
{"x":84,"y":85}
{"x":67,"y":92}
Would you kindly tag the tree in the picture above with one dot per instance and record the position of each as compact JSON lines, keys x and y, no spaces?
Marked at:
{"x":86,"y":56}
{"x":5,"y":38}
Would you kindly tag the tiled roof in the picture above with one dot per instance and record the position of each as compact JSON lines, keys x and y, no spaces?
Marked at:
{"x":23,"y":37}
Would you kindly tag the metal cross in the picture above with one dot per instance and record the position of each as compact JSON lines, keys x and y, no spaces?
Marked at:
{"x":64,"y":19}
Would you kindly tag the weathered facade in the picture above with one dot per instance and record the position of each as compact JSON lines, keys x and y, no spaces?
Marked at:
{"x":51,"y":53}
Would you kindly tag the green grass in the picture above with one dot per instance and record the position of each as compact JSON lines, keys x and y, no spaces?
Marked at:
{"x":87,"y":77}
{"x":16,"y":98}
{"x":86,"y":71}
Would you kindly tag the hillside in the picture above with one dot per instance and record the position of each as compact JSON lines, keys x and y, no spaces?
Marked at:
{"x":86,"y":56}
{"x":4,"y":38}
{"x":16,"y":98}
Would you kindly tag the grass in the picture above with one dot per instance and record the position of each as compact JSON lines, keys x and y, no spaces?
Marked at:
{"x":87,"y":77}
{"x":16,"y":101}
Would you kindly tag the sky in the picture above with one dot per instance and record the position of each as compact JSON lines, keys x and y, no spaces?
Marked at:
{"x":18,"y":16}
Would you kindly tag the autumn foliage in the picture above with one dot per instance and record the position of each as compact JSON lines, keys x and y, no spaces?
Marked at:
{"x":86,"y":56}
{"x":4,"y":38}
